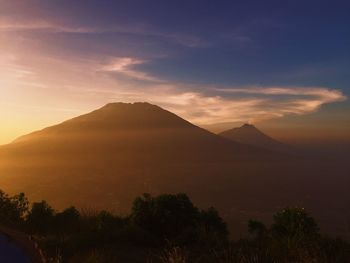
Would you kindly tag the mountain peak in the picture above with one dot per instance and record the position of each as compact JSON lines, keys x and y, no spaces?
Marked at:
{"x":249,"y":134}
{"x":127,"y":107}
{"x":137,"y":114}
{"x":116,"y":117}
{"x":125,"y":104}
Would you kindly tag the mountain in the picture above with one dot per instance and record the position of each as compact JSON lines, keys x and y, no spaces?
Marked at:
{"x":250,"y":135}
{"x":108,"y":156}
{"x":104,"y":159}
{"x":145,"y":131}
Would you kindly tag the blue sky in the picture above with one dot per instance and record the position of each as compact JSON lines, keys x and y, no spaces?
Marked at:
{"x":221,"y":42}
{"x":208,"y":61}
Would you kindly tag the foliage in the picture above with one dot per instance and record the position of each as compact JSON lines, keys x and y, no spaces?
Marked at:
{"x":295,"y":223}
{"x":167,"y":216}
{"x":214,"y":229}
{"x":67,"y":221}
{"x":174,"y":254}
{"x":174,"y":217}
{"x":13,"y":208}
{"x":41,"y":217}
{"x":256,"y":228}
{"x":169,"y":228}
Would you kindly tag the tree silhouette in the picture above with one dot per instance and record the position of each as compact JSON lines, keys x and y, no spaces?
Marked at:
{"x":294,"y":223}
{"x":213,"y":224}
{"x":41,"y":217}
{"x":166,"y":216}
{"x":13,"y":209}
{"x":67,"y":220}
{"x":256,"y":228}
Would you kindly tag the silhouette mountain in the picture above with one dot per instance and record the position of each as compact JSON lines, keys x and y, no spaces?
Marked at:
{"x":105,"y":158}
{"x":138,"y":128}
{"x":249,"y":134}
{"x":114,"y":154}
{"x":115,"y":117}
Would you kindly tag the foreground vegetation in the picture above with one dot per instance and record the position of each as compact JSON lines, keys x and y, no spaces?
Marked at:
{"x":168,"y":229}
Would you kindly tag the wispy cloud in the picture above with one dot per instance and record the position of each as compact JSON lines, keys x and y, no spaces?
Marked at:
{"x":327,"y":94}
{"x":125,"y":66}
{"x":205,"y":109}
{"x":230,"y":104}
{"x":45,"y":25}
{"x":9,"y":24}
{"x":88,"y":81}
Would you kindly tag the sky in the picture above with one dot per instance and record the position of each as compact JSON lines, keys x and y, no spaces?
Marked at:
{"x":282,"y":65}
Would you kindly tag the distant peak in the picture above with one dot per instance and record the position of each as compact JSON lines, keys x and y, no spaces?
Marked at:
{"x":249,"y":134}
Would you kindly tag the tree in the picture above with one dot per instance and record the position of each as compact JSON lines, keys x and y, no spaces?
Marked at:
{"x":256,"y":228}
{"x":21,"y":204}
{"x":41,"y":217}
{"x":294,"y":224}
{"x":167,"y":216}
{"x":213,"y":227}
{"x":175,"y":218}
{"x":67,"y":220}
{"x":13,"y":209}
{"x":213,"y":223}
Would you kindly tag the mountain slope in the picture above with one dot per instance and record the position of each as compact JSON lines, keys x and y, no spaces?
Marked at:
{"x":115,"y":153}
{"x":250,"y":135}
{"x":140,"y":129}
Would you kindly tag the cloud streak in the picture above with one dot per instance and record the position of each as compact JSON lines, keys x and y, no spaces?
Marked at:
{"x":205,"y":109}
{"x":244,"y":104}
{"x":45,"y":25}
{"x":125,"y":66}
{"x":121,"y":80}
